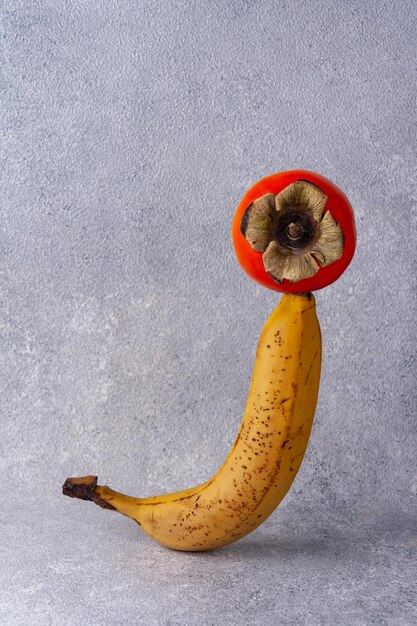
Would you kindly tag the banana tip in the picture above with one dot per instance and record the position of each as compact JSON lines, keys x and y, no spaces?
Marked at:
{"x":83,"y":488}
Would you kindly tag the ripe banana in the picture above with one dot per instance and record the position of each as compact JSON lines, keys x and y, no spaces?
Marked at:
{"x":265,"y":457}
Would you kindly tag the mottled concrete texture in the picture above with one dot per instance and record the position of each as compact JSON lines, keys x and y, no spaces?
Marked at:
{"x":129,"y":132}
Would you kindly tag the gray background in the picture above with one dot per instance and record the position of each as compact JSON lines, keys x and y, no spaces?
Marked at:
{"x":129,"y":133}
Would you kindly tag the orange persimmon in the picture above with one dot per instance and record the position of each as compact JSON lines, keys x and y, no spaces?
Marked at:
{"x":255,"y":261}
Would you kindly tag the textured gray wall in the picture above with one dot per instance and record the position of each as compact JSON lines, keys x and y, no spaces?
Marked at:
{"x":130,"y":131}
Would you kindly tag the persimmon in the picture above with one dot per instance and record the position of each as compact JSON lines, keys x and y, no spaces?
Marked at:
{"x":294,"y":231}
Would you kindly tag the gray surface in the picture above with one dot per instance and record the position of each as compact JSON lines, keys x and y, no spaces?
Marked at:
{"x":130,"y":131}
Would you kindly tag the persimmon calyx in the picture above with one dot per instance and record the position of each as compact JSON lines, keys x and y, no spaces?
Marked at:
{"x":292,"y":230}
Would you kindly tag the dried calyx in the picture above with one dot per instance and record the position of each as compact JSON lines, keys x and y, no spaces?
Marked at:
{"x":293,"y":232}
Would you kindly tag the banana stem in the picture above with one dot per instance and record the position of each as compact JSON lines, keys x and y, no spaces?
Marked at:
{"x":84,"y":488}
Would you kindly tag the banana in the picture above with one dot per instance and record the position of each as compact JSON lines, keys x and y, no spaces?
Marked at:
{"x":266,"y":454}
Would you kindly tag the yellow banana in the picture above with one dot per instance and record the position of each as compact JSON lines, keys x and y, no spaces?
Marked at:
{"x":265,"y":457}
